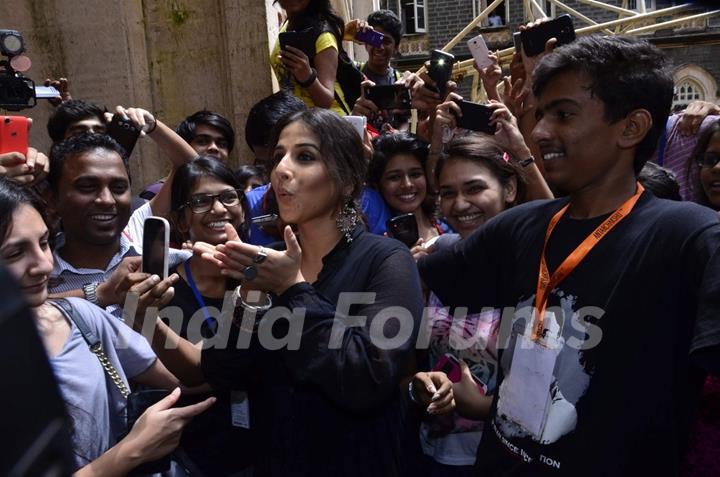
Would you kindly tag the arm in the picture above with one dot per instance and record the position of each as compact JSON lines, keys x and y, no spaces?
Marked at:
{"x":322,"y":90}
{"x":155,"y":434}
{"x":356,"y":372}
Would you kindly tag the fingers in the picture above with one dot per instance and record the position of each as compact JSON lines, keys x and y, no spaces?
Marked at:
{"x":291,"y":242}
{"x":203,"y":247}
{"x":426,"y":382}
{"x":167,"y":402}
{"x":188,"y":412}
{"x":231,"y":233}
{"x":11,"y":159}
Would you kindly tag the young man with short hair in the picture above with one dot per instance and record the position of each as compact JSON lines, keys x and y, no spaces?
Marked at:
{"x":210,"y":134}
{"x":611,"y":296}
{"x":76,"y":117}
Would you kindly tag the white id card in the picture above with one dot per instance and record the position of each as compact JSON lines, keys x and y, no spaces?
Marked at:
{"x":240,"y":409}
{"x":525,"y":392}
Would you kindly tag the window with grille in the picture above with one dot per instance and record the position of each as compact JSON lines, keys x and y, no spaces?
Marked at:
{"x":687,"y":91}
{"x":413,"y":16}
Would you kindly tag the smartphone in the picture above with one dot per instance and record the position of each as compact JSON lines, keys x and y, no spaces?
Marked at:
{"x":450,"y":365}
{"x":534,"y":39}
{"x":47,"y":92}
{"x":14,"y":134}
{"x":156,"y":243}
{"x":392,"y":96}
{"x":440,"y":71}
{"x":403,"y":228}
{"x":370,"y":37}
{"x":479,"y":50}
{"x":267,"y":219}
{"x":124,"y":131}
{"x":359,"y":123}
{"x":475,"y":117}
{"x":303,"y":40}
{"x":517,"y":42}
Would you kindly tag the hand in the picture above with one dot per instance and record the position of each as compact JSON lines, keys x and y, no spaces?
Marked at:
{"x":25,"y":170}
{"x":514,"y":96}
{"x":110,"y":292}
{"x":142,"y":118}
{"x":693,"y":116}
{"x":420,"y":249}
{"x":353,"y":27}
{"x":296,"y":62}
{"x":278,"y":272}
{"x":490,"y":75}
{"x":507,"y":133}
{"x":423,"y":98}
{"x":435,"y":390}
{"x":150,"y":291}
{"x":61,"y":85}
{"x":445,"y":120}
{"x":470,"y":401}
{"x":158,"y":430}
{"x":529,"y":62}
{"x":363,"y":106}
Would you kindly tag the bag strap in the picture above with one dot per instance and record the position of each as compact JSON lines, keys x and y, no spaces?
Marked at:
{"x":94,"y":344}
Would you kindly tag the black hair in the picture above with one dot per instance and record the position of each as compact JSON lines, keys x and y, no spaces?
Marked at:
{"x":320,"y":13}
{"x":12,"y":196}
{"x":389,"y":22}
{"x":388,"y":145}
{"x":266,"y":113}
{"x":660,"y":181}
{"x":188,"y":128}
{"x":485,"y":150}
{"x":246,"y":172}
{"x":71,"y":112}
{"x":341,"y":149}
{"x":625,"y":74}
{"x":80,"y":144}
{"x":693,"y":169}
{"x":187,"y":175}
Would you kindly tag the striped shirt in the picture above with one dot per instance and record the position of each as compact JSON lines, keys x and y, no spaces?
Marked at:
{"x":66,"y":277}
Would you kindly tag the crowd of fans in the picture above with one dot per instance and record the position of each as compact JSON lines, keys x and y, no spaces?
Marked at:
{"x":557,"y":312}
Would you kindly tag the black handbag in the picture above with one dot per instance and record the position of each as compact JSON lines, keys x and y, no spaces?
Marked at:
{"x":137,"y":401}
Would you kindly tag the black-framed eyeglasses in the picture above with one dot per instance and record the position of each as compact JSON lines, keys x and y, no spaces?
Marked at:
{"x":201,"y":203}
{"x":708,"y":159}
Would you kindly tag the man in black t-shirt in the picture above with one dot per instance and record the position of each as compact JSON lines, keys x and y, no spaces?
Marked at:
{"x":603,"y":381}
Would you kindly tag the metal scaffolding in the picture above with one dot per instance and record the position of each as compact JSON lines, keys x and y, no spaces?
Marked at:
{"x":628,"y":22}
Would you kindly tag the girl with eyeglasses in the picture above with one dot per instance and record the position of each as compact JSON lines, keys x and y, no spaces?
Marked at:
{"x":706,"y":160}
{"x":205,"y":196}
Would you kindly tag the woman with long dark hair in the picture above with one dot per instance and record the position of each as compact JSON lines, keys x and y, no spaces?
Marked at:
{"x":311,"y":75}
{"x":327,"y":400}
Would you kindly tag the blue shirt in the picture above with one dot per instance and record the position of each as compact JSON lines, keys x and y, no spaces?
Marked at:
{"x":371,"y":202}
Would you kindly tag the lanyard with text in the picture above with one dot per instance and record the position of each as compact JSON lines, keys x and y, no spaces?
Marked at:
{"x":547,"y":283}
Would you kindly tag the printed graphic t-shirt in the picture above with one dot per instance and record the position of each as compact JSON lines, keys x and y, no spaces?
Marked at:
{"x":630,"y":320}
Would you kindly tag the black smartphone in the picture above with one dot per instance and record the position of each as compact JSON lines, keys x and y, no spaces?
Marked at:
{"x":403,"y":228}
{"x":517,"y":42}
{"x":303,"y":40}
{"x":475,"y":117}
{"x":392,"y":96}
{"x":440,"y":71}
{"x":156,"y":244}
{"x":534,"y":39}
{"x":124,"y":131}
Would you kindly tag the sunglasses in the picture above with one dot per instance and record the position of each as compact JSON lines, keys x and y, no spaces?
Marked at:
{"x":201,"y":203}
{"x":708,"y":159}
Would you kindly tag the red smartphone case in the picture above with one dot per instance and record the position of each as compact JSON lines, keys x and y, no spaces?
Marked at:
{"x":14,"y":134}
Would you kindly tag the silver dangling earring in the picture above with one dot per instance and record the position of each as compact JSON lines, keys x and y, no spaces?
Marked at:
{"x":347,"y":220}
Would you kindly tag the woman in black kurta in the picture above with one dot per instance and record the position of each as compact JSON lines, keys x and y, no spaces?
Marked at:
{"x":332,"y":405}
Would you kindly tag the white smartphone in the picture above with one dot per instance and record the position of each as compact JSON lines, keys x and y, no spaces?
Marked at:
{"x":156,"y":244}
{"x":359,"y":123}
{"x":479,"y":51}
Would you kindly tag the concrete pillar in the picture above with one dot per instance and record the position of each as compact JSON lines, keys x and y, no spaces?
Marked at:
{"x":172,"y":58}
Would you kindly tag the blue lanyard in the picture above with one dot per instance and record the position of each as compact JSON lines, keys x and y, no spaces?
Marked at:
{"x":209,"y":320}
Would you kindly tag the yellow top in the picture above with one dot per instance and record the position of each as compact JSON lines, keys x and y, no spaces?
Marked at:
{"x":324,"y":41}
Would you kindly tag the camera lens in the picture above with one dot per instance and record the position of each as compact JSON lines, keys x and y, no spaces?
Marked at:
{"x":11,"y":43}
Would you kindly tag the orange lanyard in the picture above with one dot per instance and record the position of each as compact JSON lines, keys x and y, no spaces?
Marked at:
{"x":546,"y":283}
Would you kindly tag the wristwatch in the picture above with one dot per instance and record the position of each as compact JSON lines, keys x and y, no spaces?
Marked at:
{"x":310,"y":79}
{"x":90,"y":291}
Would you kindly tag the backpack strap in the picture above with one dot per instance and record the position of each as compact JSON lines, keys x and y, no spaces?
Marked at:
{"x":94,"y":343}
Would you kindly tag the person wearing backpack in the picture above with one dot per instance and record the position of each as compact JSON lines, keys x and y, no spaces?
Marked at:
{"x":314,"y":80}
